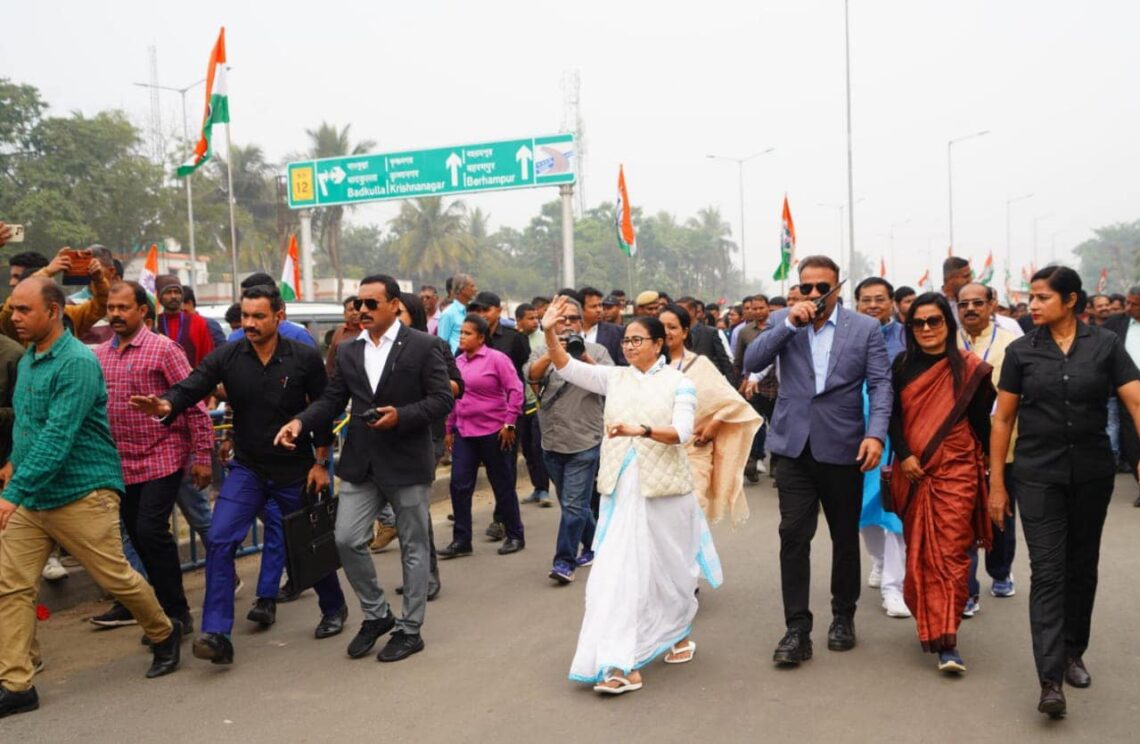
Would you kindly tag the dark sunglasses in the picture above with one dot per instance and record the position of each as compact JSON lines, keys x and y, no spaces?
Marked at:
{"x":369,"y":303}
{"x":822,"y":287}
{"x":934,"y":321}
{"x":966,"y":304}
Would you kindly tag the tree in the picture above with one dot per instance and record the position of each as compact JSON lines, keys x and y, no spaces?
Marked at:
{"x":1116,"y":248}
{"x":430,"y":237}
{"x":328,"y":142}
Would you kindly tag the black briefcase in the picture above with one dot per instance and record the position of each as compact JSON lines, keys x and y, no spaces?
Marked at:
{"x":310,"y":544}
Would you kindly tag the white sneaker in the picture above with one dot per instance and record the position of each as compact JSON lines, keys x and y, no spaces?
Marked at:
{"x":54,"y":570}
{"x":895,"y":606}
{"x":760,"y":467}
{"x":875,"y":579}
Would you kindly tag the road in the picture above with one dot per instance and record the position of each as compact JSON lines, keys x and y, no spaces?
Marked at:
{"x":501,"y":636}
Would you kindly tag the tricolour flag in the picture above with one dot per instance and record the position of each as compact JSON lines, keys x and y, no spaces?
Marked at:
{"x":627,"y":238}
{"x":217,"y":107}
{"x":149,"y":269}
{"x":882,"y":267}
{"x":987,"y":274}
{"x":291,"y":273}
{"x":924,"y":282}
{"x":1102,"y":282}
{"x":787,"y":243}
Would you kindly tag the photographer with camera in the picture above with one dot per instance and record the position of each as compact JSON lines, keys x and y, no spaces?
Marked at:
{"x":570,"y":418}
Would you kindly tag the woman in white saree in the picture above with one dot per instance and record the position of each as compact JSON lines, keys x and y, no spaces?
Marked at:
{"x":652,"y":541}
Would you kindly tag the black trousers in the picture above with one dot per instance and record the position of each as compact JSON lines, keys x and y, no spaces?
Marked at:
{"x":145,"y":509}
{"x":530,"y":438}
{"x":1062,"y":525}
{"x":804,"y":485}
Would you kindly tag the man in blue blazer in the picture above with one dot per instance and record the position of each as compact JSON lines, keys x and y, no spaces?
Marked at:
{"x":820,"y":445}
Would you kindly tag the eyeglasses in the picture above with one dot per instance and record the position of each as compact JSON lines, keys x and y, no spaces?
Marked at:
{"x":966,"y":304}
{"x":822,"y":287}
{"x":570,"y":319}
{"x":369,"y":303}
{"x":933,"y":322}
{"x":633,"y":342}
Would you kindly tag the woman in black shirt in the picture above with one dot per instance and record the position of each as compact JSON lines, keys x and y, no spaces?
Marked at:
{"x":1056,"y":381}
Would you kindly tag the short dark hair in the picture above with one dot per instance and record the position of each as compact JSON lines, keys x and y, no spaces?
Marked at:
{"x":818,"y":262}
{"x":589,"y":291}
{"x":349,"y":299}
{"x":540,"y":300}
{"x":258,"y":279}
{"x":1117,"y":297}
{"x":903,"y":292}
{"x":778,"y":301}
{"x":617,"y":292}
{"x":952,"y":264}
{"x":1134,"y":290}
{"x":746,"y":299}
{"x":656,"y":330}
{"x":1099,"y":294}
{"x":233,"y":314}
{"x":760,"y":298}
{"x":685,"y":301}
{"x":480,"y":323}
{"x":391,"y":286}
{"x":429,"y":288}
{"x":137,"y":289}
{"x":188,"y":295}
{"x":266,"y":292}
{"x":570,"y":292}
{"x":523,"y":309}
{"x":29,"y":260}
{"x":873,"y":281}
{"x":118,"y":266}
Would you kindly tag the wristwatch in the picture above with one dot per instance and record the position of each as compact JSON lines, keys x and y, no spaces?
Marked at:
{"x":646,"y":431}
{"x":509,"y":427}
{"x":323,"y":462}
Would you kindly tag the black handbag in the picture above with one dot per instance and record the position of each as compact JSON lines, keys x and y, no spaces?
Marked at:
{"x":310,"y":543}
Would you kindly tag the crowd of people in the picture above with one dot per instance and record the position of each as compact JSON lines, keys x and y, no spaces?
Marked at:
{"x":921,"y":421}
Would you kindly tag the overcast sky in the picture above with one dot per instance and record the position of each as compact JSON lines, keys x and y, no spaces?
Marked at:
{"x":662,"y":86}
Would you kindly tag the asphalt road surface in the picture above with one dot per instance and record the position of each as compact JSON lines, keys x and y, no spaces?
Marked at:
{"x":501,"y":636}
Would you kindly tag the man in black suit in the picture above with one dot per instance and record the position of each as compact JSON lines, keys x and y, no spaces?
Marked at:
{"x":396,"y":379}
{"x":1123,"y":325}
{"x":597,"y":331}
{"x":704,"y":341}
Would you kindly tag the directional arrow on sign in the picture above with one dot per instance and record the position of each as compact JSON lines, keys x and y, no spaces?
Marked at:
{"x":337,"y":175}
{"x":524,"y":156}
{"x":453,"y":163}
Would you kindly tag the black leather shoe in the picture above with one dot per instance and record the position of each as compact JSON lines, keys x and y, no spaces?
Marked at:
{"x":263,"y":612}
{"x":400,"y":646}
{"x":1076,"y":674}
{"x":751,"y":472}
{"x":12,"y":703}
{"x":496,"y":531}
{"x":841,"y":634}
{"x":370,"y":631}
{"x":333,"y":624}
{"x":794,"y":647}
{"x":215,"y":648}
{"x":187,"y":622}
{"x":1052,"y":700}
{"x":287,"y":593}
{"x":434,"y":587}
{"x":166,"y":654}
{"x":511,"y":545}
{"x":454,"y":550}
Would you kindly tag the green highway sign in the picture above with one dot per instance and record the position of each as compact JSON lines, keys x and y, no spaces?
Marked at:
{"x":523,"y":163}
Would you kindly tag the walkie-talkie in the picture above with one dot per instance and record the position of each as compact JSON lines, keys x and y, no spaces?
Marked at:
{"x":821,"y":303}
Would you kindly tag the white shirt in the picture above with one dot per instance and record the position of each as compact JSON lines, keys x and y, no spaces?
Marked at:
{"x":376,"y":355}
{"x":1132,"y":340}
{"x":591,"y":335}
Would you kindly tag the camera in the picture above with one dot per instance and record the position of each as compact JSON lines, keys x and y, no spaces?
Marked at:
{"x":371,"y":416}
{"x":576,"y":345}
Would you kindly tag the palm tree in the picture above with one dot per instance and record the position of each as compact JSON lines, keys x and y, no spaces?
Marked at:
{"x":329,"y":142}
{"x":714,"y":232}
{"x":431,"y":237}
{"x":253,"y":194}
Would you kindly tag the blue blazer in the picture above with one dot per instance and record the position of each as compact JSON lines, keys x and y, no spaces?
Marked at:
{"x":832,"y":420}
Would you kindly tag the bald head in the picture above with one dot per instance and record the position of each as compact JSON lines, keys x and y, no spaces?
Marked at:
{"x":37,"y":311}
{"x":975,"y":307}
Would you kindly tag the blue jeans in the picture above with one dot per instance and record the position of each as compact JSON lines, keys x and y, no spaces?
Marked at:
{"x":244,"y":495}
{"x":194,"y":503}
{"x":573,"y":477}
{"x":1114,"y":426}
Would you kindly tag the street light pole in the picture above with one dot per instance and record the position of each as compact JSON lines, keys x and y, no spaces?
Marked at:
{"x":1008,"y":243}
{"x":189,"y":179}
{"x":850,"y":166}
{"x":740,"y":178}
{"x":950,"y":176}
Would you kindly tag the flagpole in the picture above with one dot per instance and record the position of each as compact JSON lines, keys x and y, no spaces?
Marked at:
{"x":233,"y":224}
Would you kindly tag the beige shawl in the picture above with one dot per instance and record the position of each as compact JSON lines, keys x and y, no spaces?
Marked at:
{"x":718,"y":467}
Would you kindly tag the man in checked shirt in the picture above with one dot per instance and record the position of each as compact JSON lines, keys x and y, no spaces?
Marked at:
{"x":137,"y":361}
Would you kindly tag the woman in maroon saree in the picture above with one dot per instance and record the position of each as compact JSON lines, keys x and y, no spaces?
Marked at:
{"x":940,"y":430}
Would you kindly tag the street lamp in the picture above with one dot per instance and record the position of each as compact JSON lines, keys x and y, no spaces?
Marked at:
{"x":740,"y":173}
{"x":950,"y":175}
{"x":189,"y":188}
{"x":1008,"y":249}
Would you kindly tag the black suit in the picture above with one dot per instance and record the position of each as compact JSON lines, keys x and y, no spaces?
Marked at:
{"x":609,"y":336}
{"x":415,"y":382}
{"x":705,"y":341}
{"x":1129,"y":441}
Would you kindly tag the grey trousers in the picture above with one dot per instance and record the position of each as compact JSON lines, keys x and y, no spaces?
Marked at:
{"x":360,"y":503}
